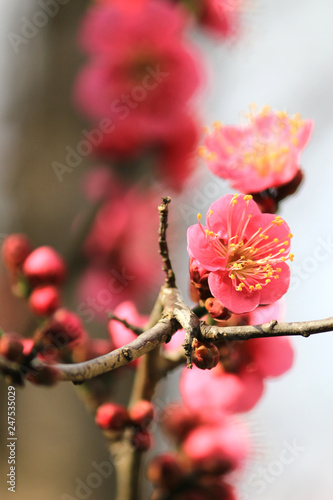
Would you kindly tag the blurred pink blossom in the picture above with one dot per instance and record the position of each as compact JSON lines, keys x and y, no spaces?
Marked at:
{"x":263,"y":154}
{"x":237,"y":383}
{"x":141,"y":69}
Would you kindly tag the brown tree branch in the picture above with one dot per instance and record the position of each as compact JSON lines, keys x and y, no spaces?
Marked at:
{"x":272,"y":329}
{"x":176,"y":315}
{"x":163,"y":209}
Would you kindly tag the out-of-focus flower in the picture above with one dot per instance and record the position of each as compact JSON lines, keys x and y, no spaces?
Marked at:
{"x":210,"y":445}
{"x":136,"y":75}
{"x":237,"y":383}
{"x":263,"y":154}
{"x":172,"y":156}
{"x":244,"y":251}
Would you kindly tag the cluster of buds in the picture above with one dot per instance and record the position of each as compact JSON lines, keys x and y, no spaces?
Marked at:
{"x":20,"y":352}
{"x":115,"y":419}
{"x":208,"y":448}
{"x":35,"y":274}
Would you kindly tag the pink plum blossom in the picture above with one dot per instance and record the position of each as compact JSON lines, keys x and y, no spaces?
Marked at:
{"x":237,"y":383}
{"x":263,"y":154}
{"x":244,"y":251}
{"x":135,"y":74}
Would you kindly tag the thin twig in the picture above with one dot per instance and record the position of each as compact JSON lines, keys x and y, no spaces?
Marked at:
{"x":135,"y":329}
{"x":163,"y":209}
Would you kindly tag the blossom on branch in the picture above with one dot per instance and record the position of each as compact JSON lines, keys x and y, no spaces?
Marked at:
{"x":263,"y":154}
{"x":244,"y":251}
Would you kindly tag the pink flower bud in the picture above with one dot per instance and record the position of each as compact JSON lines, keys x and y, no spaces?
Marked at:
{"x":165,"y":471}
{"x":15,"y":250}
{"x":44,"y":300}
{"x":142,"y":413}
{"x":44,"y":265}
{"x":216,"y":309}
{"x":11,"y":347}
{"x":111,"y":416}
{"x":142,"y":440}
{"x":205,"y":356}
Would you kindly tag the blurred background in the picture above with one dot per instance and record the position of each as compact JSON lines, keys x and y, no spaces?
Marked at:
{"x":283,"y":58}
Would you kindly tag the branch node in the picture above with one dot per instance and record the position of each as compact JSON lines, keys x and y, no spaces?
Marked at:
{"x":127,"y":353}
{"x":271,"y":325}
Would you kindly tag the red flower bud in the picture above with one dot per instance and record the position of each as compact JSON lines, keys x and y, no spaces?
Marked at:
{"x":43,"y":266}
{"x":110,"y":416}
{"x":65,"y":329}
{"x":142,"y":413}
{"x":178,"y":421}
{"x":45,"y":375}
{"x":165,"y":471}
{"x":199,"y":288}
{"x":44,"y":300}
{"x":205,"y":356}
{"x":11,"y":347}
{"x":142,"y":440}
{"x":216,"y":309}
{"x":15,"y":250}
